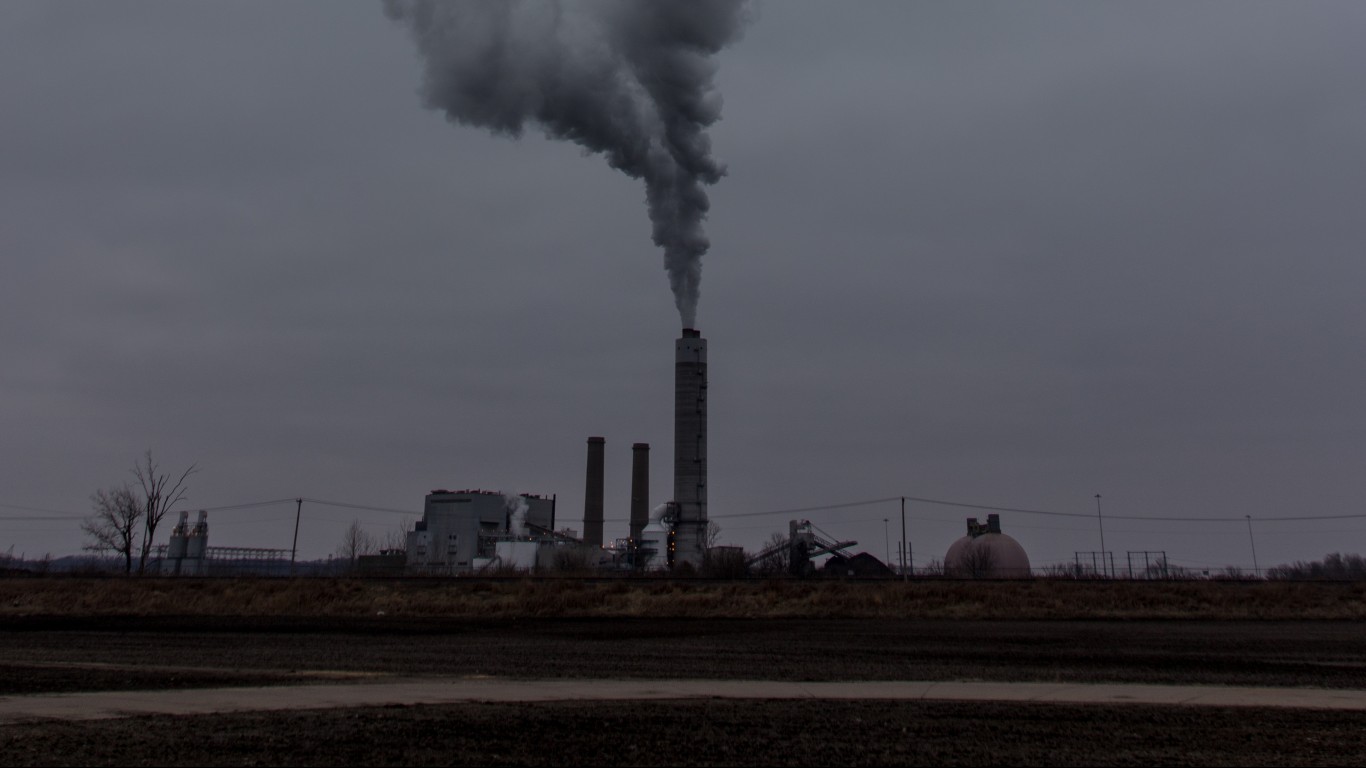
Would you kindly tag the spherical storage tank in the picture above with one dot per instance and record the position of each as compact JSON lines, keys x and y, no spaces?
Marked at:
{"x":986,"y":553}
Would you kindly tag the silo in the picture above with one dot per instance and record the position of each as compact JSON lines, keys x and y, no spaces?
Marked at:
{"x":176,"y":549}
{"x":690,"y":447}
{"x":197,"y":545}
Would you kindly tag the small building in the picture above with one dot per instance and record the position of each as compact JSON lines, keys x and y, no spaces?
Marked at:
{"x":386,"y":562}
{"x":986,"y":553}
{"x":461,"y":531}
{"x":860,"y":566}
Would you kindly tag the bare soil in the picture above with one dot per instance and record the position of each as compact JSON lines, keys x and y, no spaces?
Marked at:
{"x":707,"y":733}
{"x":210,"y":651}
{"x":70,"y":650}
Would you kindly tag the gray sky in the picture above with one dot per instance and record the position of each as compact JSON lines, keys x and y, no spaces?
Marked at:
{"x":1001,"y":253}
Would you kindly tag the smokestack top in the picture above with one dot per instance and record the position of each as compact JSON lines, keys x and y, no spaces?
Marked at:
{"x":691,"y":333}
{"x":640,"y":446}
{"x":597,"y":439}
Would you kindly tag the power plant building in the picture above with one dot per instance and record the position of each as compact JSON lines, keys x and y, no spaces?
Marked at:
{"x":461,"y":531}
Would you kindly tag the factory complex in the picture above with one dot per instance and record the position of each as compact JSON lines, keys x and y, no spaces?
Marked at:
{"x":483,"y":532}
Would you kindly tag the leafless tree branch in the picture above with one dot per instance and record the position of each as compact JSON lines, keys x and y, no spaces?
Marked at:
{"x":159,"y":496}
{"x":114,"y":524}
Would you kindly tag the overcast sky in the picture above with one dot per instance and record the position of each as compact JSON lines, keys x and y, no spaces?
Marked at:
{"x":1011,"y":254}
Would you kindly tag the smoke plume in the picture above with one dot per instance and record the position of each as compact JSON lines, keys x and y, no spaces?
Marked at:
{"x":516,"y":508}
{"x":627,"y":79}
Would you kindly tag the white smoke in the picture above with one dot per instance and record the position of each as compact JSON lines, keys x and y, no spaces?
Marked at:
{"x":516,"y":508}
{"x":627,"y":79}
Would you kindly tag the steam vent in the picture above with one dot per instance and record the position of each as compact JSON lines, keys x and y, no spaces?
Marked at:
{"x":986,"y":553}
{"x":690,"y":447}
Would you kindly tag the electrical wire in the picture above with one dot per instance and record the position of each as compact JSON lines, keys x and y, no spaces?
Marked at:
{"x":1050,"y":513}
{"x":61,"y":513}
{"x":345,"y":505}
{"x":249,"y":505}
{"x":799,"y":510}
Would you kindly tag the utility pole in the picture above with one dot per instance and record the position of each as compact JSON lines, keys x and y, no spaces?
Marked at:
{"x":904,"y":547}
{"x":1255,"y":570}
{"x":293,"y":552}
{"x":1101,"y":522}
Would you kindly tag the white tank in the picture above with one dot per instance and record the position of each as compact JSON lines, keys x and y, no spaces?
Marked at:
{"x":520,"y":555}
{"x":986,"y":553}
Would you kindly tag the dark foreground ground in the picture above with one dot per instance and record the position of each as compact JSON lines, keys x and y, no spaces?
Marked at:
{"x":707,"y":733}
{"x":110,"y":653}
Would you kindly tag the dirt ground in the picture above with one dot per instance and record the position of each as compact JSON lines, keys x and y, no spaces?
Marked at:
{"x":707,"y":733}
{"x":111,"y":653}
{"x":210,"y":651}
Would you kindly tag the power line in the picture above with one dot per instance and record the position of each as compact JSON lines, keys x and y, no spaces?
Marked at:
{"x":345,"y":505}
{"x":1050,"y":513}
{"x":800,"y":510}
{"x":65,"y":515}
{"x":247,"y":505}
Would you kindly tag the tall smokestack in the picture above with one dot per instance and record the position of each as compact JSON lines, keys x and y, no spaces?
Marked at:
{"x":640,"y":489}
{"x":690,"y":447}
{"x":592,"y":493}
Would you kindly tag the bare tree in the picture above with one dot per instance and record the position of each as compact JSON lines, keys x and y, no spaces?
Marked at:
{"x":778,"y":557}
{"x":1060,"y":571}
{"x":978,"y":562}
{"x":159,"y":496}
{"x":115,"y":523}
{"x":712,"y":534}
{"x":396,"y":539}
{"x":1333,"y":567}
{"x":356,"y":541}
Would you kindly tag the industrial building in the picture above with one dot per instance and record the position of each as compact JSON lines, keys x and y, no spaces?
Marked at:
{"x":986,"y":553}
{"x":184,"y":555}
{"x":472,"y":530}
{"x":188,"y":554}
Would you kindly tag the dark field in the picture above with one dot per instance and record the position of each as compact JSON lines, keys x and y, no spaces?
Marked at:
{"x":82,"y":652}
{"x":212,"y":650}
{"x":707,"y":733}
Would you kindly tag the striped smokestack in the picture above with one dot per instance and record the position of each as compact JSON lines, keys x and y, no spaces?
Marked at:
{"x":690,"y":447}
{"x":640,"y":489}
{"x":592,"y":494}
